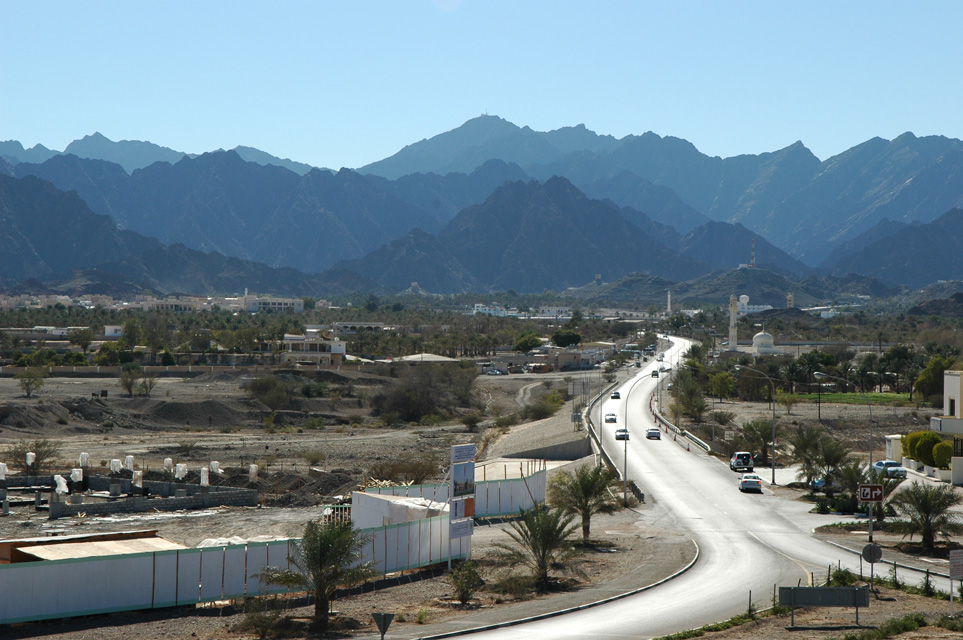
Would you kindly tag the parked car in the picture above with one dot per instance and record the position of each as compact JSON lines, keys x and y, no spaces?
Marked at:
{"x":741,"y":461}
{"x":616,"y":395}
{"x":819,"y":484}
{"x":653,"y":434}
{"x":889,"y":468}
{"x":621,"y":434}
{"x":750,"y":482}
{"x":669,"y":387}
{"x":610,"y":417}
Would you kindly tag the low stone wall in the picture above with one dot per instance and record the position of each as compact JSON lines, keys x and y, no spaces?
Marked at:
{"x":135,"y":504}
{"x":163,"y":496}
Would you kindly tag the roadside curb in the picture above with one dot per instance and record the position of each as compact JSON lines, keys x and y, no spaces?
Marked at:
{"x":552,"y":614}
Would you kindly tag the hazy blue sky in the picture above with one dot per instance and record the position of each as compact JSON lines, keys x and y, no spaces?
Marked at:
{"x":347,"y":83}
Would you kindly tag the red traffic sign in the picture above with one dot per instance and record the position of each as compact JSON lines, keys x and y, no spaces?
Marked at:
{"x":870,"y":493}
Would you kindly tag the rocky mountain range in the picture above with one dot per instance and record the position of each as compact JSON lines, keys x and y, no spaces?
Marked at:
{"x":53,"y":239}
{"x":801,"y":204}
{"x":491,"y":205}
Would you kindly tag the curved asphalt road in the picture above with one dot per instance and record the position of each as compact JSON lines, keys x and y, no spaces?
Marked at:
{"x":749,"y":542}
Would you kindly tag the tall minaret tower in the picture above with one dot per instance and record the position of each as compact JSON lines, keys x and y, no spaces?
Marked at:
{"x":668,"y":304}
{"x":733,"y":334}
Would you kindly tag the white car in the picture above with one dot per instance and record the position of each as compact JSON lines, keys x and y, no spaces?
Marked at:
{"x":621,"y":434}
{"x":610,"y":417}
{"x":889,"y":468}
{"x":653,"y":434}
{"x":750,"y":482}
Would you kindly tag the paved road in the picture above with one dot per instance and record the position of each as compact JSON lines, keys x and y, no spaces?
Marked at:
{"x":749,"y":542}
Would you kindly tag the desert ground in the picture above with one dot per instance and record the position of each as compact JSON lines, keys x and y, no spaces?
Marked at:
{"x":211,"y":417}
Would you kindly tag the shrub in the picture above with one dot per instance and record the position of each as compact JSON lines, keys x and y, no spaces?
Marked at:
{"x":413,"y":470}
{"x":842,"y":578}
{"x":44,"y":450}
{"x":909,"y":443}
{"x":466,"y":580}
{"x":507,"y":421}
{"x":270,"y":391}
{"x":924,"y":447}
{"x":942,"y":454}
{"x":313,"y":457}
{"x":314,"y":390}
{"x":423,"y":614}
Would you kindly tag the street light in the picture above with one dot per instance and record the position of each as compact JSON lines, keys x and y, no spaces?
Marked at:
{"x":740,"y":367}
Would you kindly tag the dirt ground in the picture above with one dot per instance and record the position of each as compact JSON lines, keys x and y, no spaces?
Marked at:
{"x":210,"y":418}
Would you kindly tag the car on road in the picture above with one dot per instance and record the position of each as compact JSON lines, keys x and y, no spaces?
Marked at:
{"x":655,"y":374}
{"x":750,"y":482}
{"x":741,"y":461}
{"x":610,"y":417}
{"x":494,"y":372}
{"x":889,"y":468}
{"x":621,"y":434}
{"x":653,"y":433}
{"x":616,"y":395}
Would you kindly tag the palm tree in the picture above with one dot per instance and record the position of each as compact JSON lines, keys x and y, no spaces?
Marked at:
{"x":833,"y":456}
{"x":584,"y":493}
{"x":927,"y":511}
{"x":327,"y":558}
{"x":889,"y":483}
{"x":542,"y":542}
{"x":757,"y":436}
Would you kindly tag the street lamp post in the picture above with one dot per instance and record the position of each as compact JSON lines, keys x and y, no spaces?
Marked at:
{"x":872,"y":471}
{"x":772,"y":384}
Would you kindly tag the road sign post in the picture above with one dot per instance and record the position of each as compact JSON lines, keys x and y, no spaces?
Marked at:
{"x":383,"y":620}
{"x":871,"y":493}
{"x":956,"y":572}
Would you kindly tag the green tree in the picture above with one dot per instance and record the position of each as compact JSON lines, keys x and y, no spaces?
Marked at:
{"x":563,"y":338}
{"x":543,"y":542}
{"x":30,"y":380}
{"x":155,"y":335}
{"x":584,"y":493}
{"x":927,"y":511}
{"x":327,"y":558}
{"x":930,"y":381}
{"x":722,"y":385}
{"x":527,"y":341}
{"x":81,"y":338}
{"x":131,"y":332}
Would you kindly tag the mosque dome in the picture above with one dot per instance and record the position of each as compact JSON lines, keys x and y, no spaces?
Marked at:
{"x":762,"y":342}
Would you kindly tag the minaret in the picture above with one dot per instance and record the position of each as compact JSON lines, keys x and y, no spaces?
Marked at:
{"x":790,"y":300}
{"x":668,"y":305}
{"x":733,"y":335}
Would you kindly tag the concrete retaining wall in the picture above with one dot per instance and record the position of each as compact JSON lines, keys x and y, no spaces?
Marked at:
{"x":571,"y":450}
